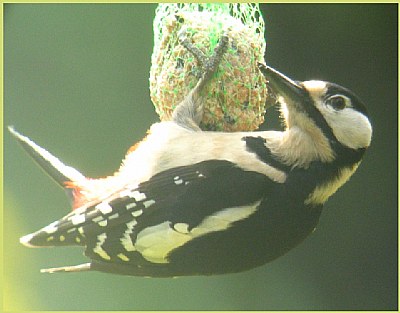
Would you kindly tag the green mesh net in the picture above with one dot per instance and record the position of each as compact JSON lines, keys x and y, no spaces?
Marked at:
{"x":236,"y":96}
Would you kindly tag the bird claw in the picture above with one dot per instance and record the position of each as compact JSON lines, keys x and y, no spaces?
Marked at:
{"x":189,"y":112}
{"x":208,"y":64}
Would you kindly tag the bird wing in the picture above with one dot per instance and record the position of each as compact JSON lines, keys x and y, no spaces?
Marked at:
{"x":148,"y":221}
{"x":177,"y":206}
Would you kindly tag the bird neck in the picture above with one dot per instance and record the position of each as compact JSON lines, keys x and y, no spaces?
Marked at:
{"x":296,"y":147}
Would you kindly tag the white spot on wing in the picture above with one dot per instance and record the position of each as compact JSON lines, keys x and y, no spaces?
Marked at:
{"x":137,"y":213}
{"x":148,"y":203}
{"x":104,"y":207}
{"x":138,"y":196}
{"x":199,"y":174}
{"x":98,"y":219}
{"x":126,"y":239}
{"x":102,"y":223}
{"x":77,"y":219}
{"x":98,"y":249}
{"x":123,"y":257}
{"x":51,"y":228}
{"x":130,"y":205}
{"x":116,"y":215}
{"x":178,"y":180}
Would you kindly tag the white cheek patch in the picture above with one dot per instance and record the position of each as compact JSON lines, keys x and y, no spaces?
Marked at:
{"x":350,"y":127}
{"x":155,"y":243}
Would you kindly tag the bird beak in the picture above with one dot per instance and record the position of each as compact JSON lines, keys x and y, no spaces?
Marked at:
{"x":291,"y":91}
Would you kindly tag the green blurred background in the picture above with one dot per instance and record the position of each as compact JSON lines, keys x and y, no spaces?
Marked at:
{"x":76,"y":81}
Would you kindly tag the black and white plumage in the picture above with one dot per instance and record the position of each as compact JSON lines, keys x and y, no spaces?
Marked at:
{"x":188,"y":202}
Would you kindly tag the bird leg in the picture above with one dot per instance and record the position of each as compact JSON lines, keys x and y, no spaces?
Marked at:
{"x":189,"y":112}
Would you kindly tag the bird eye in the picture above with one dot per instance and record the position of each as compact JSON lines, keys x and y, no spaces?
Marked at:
{"x":337,"y":102}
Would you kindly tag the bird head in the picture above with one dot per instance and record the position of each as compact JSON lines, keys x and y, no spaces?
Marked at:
{"x":321,"y":109}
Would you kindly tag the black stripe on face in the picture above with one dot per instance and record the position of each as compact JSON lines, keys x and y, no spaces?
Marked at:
{"x":308,"y":107}
{"x":316,"y":116}
{"x":345,"y":156}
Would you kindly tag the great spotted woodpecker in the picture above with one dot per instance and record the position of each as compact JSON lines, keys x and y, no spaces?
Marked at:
{"x":191,"y":202}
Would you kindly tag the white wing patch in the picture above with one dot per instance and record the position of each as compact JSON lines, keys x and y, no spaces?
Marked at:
{"x":156,"y":242}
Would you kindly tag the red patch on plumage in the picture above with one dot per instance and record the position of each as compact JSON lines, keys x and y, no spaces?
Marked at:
{"x":78,"y":199}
